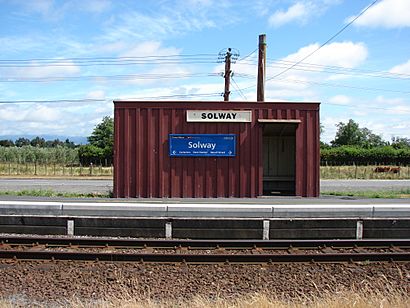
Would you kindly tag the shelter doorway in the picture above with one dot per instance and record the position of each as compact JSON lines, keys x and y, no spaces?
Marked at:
{"x":279,"y":153}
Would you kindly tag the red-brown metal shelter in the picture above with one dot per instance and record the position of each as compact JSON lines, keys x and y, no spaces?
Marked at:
{"x":277,"y":151}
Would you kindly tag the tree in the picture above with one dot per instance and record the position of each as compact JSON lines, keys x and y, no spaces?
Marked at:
{"x":22,"y":142}
{"x":103,"y":134}
{"x":352,"y":134}
{"x":347,"y":134}
{"x":90,"y":154}
{"x":100,"y":149}
{"x":400,"y":142}
{"x":38,"y":142}
{"x":372,"y":140}
{"x":6,"y":143}
{"x":69,"y":144}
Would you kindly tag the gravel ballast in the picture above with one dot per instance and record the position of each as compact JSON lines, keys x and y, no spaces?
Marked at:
{"x":39,"y":281}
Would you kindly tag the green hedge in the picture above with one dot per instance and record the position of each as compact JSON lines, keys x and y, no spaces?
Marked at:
{"x":349,"y":155}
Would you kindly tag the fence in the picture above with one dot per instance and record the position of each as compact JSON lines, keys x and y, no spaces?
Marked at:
{"x":58,"y":161}
{"x":330,"y":170}
{"x":33,"y":169}
{"x":64,"y":161}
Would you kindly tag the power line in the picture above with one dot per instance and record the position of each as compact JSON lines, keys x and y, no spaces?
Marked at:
{"x":338,"y":70}
{"x":367,"y":107}
{"x":342,"y":70}
{"x":92,"y":100}
{"x":248,"y":55}
{"x":143,"y":60}
{"x":325,"y":43}
{"x":336,"y":85}
{"x":112,"y":63}
{"x":80,"y":100}
{"x":175,"y":96}
{"x":341,"y":86}
{"x":239,"y":90}
{"x":331,"y":69}
{"x":307,"y":67}
{"x":12,"y":79}
{"x":108,"y":58}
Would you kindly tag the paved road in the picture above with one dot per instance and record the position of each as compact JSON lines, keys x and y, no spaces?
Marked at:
{"x":363,"y":185}
{"x":59,"y":185}
{"x":103,"y":186}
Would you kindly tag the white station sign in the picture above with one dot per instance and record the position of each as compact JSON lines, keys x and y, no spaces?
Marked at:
{"x":219,"y":116}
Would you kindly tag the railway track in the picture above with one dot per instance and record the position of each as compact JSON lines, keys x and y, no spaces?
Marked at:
{"x":202,"y":251}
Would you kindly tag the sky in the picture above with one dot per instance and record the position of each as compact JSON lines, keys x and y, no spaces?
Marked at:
{"x":63,"y":62}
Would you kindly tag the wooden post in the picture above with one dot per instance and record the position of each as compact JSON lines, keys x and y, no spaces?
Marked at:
{"x":227,"y":75}
{"x":261,"y":69}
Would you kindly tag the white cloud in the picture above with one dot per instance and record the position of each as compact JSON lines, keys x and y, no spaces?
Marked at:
{"x":370,"y":113}
{"x":172,"y":92}
{"x":96,"y":94}
{"x":401,"y":68}
{"x":345,"y":54}
{"x":55,"y":11}
{"x":340,"y":100}
{"x":39,"y":6}
{"x":31,"y":114}
{"x":164,"y":23}
{"x":298,"y":11}
{"x":41,"y":114}
{"x":393,"y":106}
{"x":386,"y":14}
{"x":93,"y":6}
{"x":63,"y":119}
{"x":16,"y":44}
{"x":299,"y":85}
{"x":150,"y":48}
{"x":58,"y":68}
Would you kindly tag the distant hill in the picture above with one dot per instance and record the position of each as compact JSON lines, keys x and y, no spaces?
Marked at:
{"x":75,"y":139}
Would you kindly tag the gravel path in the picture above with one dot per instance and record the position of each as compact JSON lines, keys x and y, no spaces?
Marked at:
{"x":50,"y":281}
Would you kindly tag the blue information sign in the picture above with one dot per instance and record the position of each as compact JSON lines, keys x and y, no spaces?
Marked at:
{"x":181,"y":145}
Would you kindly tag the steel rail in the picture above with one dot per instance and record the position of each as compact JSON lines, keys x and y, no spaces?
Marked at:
{"x":174,"y":243}
{"x":203,"y":258}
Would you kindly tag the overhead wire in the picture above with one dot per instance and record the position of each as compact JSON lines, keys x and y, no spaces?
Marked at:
{"x":325,"y":43}
{"x":131,"y":60}
{"x":368,"y":107}
{"x":247,"y":56}
{"x":320,"y":47}
{"x":239,"y":90}
{"x":310,"y":67}
{"x":12,"y":79}
{"x":74,"y":100}
{"x":113,"y":58}
{"x":92,"y":100}
{"x":341,"y":86}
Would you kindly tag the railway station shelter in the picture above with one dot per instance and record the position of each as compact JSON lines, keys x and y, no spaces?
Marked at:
{"x":177,"y":149}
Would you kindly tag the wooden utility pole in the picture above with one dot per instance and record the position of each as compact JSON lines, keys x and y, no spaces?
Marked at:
{"x":261,"y":68}
{"x":227,"y":75}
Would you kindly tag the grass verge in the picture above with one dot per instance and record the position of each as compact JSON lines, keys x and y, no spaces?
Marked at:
{"x":336,"y":300}
{"x":399,"y":194}
{"x":391,"y":194}
{"x":51,"y":193}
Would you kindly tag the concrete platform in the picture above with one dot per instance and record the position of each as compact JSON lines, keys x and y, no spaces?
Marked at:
{"x":228,"y":208}
{"x":270,"y":218}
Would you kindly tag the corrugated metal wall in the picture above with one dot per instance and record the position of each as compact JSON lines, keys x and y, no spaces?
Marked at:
{"x":143,"y":168}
